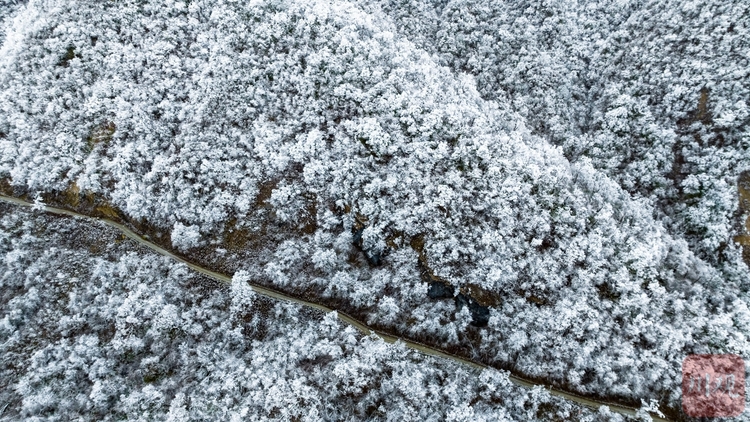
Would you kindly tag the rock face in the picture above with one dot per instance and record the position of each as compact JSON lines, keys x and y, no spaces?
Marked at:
{"x":480,"y":315}
{"x":440,"y":290}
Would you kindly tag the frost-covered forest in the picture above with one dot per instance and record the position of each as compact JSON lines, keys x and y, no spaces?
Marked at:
{"x":547,"y":187}
{"x":96,"y":328}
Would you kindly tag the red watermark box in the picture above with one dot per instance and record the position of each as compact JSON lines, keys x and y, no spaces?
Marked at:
{"x":713,"y":385}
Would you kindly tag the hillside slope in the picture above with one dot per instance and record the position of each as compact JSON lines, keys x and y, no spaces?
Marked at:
{"x":338,"y":152}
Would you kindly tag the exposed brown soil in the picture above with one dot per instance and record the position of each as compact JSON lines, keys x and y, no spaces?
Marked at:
{"x":743,"y":193}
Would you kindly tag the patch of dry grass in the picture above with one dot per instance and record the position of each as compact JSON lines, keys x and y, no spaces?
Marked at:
{"x":743,"y":193}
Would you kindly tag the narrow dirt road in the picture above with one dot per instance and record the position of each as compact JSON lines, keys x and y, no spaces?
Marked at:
{"x":427,"y":350}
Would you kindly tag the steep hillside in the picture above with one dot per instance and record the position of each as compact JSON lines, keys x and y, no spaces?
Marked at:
{"x":96,"y":328}
{"x":548,"y":187}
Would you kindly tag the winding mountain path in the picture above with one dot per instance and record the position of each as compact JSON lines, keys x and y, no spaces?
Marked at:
{"x":365,"y":329}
